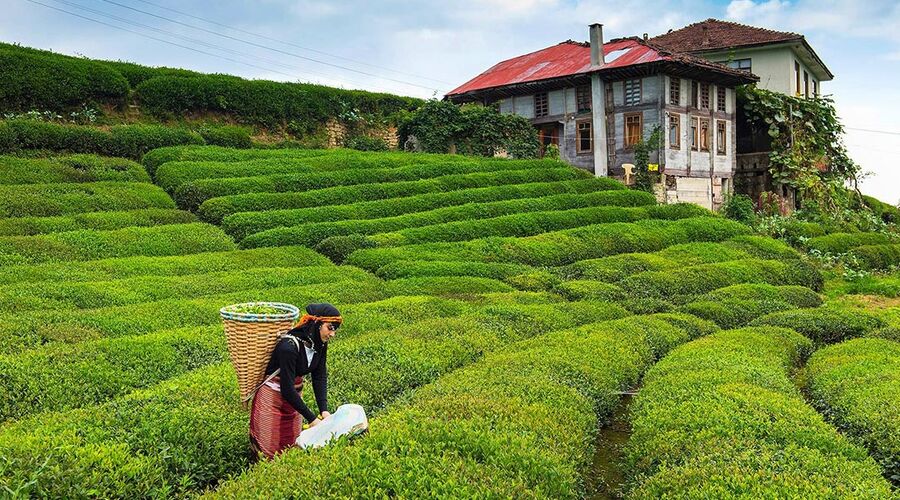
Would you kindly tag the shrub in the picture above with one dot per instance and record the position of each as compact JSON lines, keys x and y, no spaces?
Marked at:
{"x":535,"y":281}
{"x":445,"y":285}
{"x":337,"y":248}
{"x":797,"y":296}
{"x":44,"y":200}
{"x":173,"y":239}
{"x":228,"y":136}
{"x":412,"y":269}
{"x":839,"y":243}
{"x":856,"y":384}
{"x":720,"y":417}
{"x":133,"y":141}
{"x":763,"y":247}
{"x":75,"y":168}
{"x":364,"y":143}
{"x":795,"y":232}
{"x":103,"y":221}
{"x":215,"y":209}
{"x":128,"y":267}
{"x":616,"y":267}
{"x":887,"y":213}
{"x":431,"y":208}
{"x":823,"y":325}
{"x":876,"y":257}
{"x":203,"y":155}
{"x":739,"y":207}
{"x":732,"y":312}
{"x":589,"y":290}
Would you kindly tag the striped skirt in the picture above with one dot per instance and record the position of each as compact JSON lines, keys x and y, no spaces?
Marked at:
{"x":274,"y":423}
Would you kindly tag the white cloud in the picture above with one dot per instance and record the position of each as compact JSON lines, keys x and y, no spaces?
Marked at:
{"x":748,"y":11}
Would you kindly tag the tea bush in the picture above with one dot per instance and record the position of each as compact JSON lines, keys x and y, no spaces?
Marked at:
{"x":824,"y":325}
{"x":45,"y":200}
{"x":839,"y":243}
{"x":75,"y":168}
{"x":876,"y":257}
{"x":101,"y":221}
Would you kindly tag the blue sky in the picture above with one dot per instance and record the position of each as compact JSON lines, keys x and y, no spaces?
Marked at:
{"x":426,"y":48}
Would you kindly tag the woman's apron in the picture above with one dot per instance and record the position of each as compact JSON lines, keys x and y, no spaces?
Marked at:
{"x":274,"y":423}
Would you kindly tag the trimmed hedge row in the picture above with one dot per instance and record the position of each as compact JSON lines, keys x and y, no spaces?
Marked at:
{"x":445,"y":285}
{"x":435,"y":268}
{"x":101,"y":221}
{"x":191,"y":194}
{"x":65,"y":376}
{"x":157,"y":241}
{"x":240,"y":225}
{"x":93,"y":294}
{"x":128,"y":267}
{"x":154,"y":159}
{"x":886,"y":286}
{"x":215,"y":209}
{"x":130,"y":141}
{"x":184,"y":435}
{"x":532,"y":223}
{"x":561,"y":247}
{"x":720,"y":417}
{"x":840,"y":243}
{"x":74,"y":168}
{"x":46,"y":200}
{"x":736,"y":306}
{"x":823,"y":325}
{"x":28,"y":331}
{"x":487,"y":430}
{"x":684,"y":283}
{"x":876,"y":257}
{"x":856,"y":384}
{"x":514,"y":218}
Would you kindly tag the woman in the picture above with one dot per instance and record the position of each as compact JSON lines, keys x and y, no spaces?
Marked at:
{"x":278,"y":410}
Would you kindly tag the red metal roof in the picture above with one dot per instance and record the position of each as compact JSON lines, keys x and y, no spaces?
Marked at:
{"x":565,"y":59}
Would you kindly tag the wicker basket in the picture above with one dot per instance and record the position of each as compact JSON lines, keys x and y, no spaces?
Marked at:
{"x":251,"y":338}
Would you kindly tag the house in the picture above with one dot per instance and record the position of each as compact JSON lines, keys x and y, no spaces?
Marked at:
{"x":597,"y":100}
{"x":784,"y":62}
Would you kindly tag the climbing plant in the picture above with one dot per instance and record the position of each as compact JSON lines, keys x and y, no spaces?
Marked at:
{"x":644,"y":178}
{"x":807,"y":149}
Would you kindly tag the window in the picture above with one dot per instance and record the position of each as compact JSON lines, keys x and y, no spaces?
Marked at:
{"x":674,"y":91}
{"x":585,"y":138}
{"x":674,"y":131}
{"x":583,"y":98}
{"x":633,"y":129}
{"x":695,"y":133}
{"x":720,"y":98}
{"x":721,"y":138}
{"x":695,"y":94}
{"x":805,"y":83}
{"x":609,"y":97}
{"x":740,"y":64}
{"x":632,"y":92}
{"x":815,"y":88}
{"x":704,"y":135}
{"x":797,"y":75}
{"x":704,"y":96}
{"x":541,"y":105}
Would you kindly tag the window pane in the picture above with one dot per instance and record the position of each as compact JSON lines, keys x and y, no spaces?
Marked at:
{"x":674,"y":91}
{"x":583,"y":98}
{"x":721,"y":144}
{"x":674,"y":132}
{"x":584,"y":137}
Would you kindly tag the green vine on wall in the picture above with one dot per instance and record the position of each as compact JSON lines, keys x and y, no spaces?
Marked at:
{"x":644,"y":178}
{"x":807,"y":149}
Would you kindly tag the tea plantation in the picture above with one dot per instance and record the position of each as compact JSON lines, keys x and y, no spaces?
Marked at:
{"x":496,"y":311}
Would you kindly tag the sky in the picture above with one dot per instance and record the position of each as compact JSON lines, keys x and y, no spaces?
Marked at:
{"x":427,"y":48}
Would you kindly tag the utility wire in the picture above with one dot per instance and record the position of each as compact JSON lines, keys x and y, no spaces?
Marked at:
{"x":201,"y":42}
{"x":873,"y":131}
{"x":264,"y":37}
{"x":292,"y":54}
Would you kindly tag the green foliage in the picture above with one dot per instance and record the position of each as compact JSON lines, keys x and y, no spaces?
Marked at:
{"x":824,"y":325}
{"x":476,"y":130}
{"x":337,"y":248}
{"x":839,"y":243}
{"x":365,"y":143}
{"x":101,"y":221}
{"x":218,"y":155}
{"x":644,"y":178}
{"x":739,"y":207}
{"x":720,"y":417}
{"x":173,"y":239}
{"x":411,"y":269}
{"x":856,"y":385}
{"x":46,"y":200}
{"x":229,"y":136}
{"x":875,"y":257}
{"x":445,"y":286}
{"x":887,"y":213}
{"x":75,"y":168}
{"x":130,"y":141}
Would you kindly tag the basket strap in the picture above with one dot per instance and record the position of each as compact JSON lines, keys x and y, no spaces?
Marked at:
{"x":275,"y":373}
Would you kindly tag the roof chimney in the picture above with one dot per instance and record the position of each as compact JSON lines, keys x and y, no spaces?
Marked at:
{"x":597,"y":60}
{"x":646,"y":37}
{"x":705,"y":34}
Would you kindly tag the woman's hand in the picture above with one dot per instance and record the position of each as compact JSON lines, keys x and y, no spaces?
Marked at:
{"x":324,"y":415}
{"x":315,"y":422}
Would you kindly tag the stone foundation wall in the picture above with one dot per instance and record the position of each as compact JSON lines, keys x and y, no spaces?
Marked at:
{"x":338,"y":133}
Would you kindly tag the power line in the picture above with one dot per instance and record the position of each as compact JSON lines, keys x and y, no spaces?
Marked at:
{"x":200,"y":42}
{"x":873,"y":131}
{"x":292,"y":54}
{"x":264,"y":37}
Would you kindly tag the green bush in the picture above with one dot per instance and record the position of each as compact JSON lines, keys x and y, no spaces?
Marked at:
{"x":739,"y":207}
{"x":216,"y":155}
{"x":430,"y":208}
{"x":589,"y":290}
{"x":75,"y":168}
{"x":561,"y":247}
{"x":795,"y":232}
{"x":823,"y":325}
{"x":615,"y":267}
{"x":337,"y":248}
{"x":506,"y":436}
{"x":32,"y":79}
{"x":876,"y":257}
{"x":732,"y":312}
{"x":102,"y":221}
{"x":684,"y":283}
{"x":46,"y":200}
{"x":412,"y":269}
{"x":887,"y":213}
{"x":130,"y":141}
{"x":445,"y":285}
{"x":797,"y":296}
{"x":840,"y":243}
{"x":364,"y":143}
{"x":228,"y":136}
{"x":215,"y":209}
{"x":763,"y":247}
{"x":534,"y":280}
{"x":191,"y":194}
{"x":856,"y":384}
{"x":173,"y":239}
{"x":720,"y":417}
{"x":128,"y":267}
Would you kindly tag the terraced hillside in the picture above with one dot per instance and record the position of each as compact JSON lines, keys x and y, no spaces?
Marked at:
{"x":496,"y":310}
